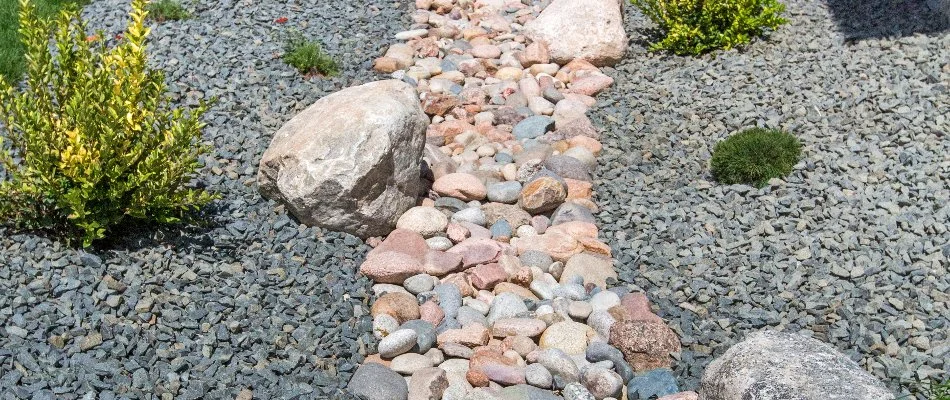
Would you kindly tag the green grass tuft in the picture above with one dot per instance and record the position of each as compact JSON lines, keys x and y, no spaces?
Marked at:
{"x":308,"y":57}
{"x":937,"y":391}
{"x":754,"y":156}
{"x":167,"y":10}
{"x":12,"y":64}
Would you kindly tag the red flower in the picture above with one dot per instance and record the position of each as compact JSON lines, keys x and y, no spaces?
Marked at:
{"x":118,"y":36}
{"x":92,"y":38}
{"x":281,"y":20}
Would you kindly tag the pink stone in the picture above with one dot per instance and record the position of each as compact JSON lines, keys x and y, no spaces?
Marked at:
{"x":486,"y":51}
{"x":476,"y":231}
{"x":402,"y":241}
{"x":567,"y":110}
{"x":581,"y":98}
{"x":431,"y":313}
{"x":535,"y":53}
{"x":457,"y":233}
{"x":477,"y":251}
{"x":645,"y":345}
{"x":460,"y":280}
{"x":637,"y":308}
{"x":440,"y":263}
{"x":504,"y":374}
{"x":462,"y":186}
{"x":588,"y":143}
{"x":578,"y":126}
{"x":486,"y":276}
{"x":540,"y":223}
{"x":529,"y":87}
{"x":391,"y":267}
{"x":591,"y":84}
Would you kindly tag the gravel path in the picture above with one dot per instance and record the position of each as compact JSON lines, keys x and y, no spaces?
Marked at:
{"x":253,"y":301}
{"x":853,"y":247}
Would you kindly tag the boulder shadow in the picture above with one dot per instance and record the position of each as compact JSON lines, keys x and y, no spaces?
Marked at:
{"x":873,"y":19}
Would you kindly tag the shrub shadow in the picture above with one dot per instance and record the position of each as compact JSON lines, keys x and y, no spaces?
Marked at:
{"x":869,"y":19}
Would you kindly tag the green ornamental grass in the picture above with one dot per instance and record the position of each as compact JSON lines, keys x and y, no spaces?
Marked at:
{"x":308,"y":57}
{"x":167,"y":10}
{"x":754,"y":156}
{"x":693,"y":27}
{"x":937,"y":391}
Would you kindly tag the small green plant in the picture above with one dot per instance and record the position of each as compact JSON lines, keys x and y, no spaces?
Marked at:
{"x":91,"y":141}
{"x":165,"y":10}
{"x":693,"y":27}
{"x":754,"y":156}
{"x":307,"y":56}
{"x":937,"y":391}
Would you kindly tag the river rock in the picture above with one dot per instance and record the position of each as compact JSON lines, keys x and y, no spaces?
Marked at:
{"x":374,"y":381}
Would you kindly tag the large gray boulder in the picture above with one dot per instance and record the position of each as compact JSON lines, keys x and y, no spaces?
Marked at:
{"x":772,"y":365}
{"x":349,"y":162}
{"x":589,"y":29}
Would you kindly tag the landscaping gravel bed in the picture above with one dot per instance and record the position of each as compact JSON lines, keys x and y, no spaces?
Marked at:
{"x":252,"y":302}
{"x":853,"y":246}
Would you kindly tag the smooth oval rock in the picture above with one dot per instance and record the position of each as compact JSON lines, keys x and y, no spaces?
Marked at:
{"x":397,"y":343}
{"x":465,"y":187}
{"x":374,"y":381}
{"x":426,"y":221}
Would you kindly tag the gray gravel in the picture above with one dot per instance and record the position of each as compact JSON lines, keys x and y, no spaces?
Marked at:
{"x":852,"y":247}
{"x":254,"y":301}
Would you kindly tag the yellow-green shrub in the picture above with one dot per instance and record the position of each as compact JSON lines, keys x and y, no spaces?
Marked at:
{"x":693,"y":27}
{"x":91,"y":140}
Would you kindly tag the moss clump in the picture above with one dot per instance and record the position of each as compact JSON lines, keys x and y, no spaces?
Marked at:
{"x":754,"y":156}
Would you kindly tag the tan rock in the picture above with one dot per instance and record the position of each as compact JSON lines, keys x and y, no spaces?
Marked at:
{"x":401,"y":306}
{"x":558,"y":245}
{"x":465,"y":187}
{"x":568,"y":336}
{"x":428,"y":384}
{"x":508,"y":287}
{"x":471,"y":335}
{"x":592,"y":268}
{"x":542,"y":194}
